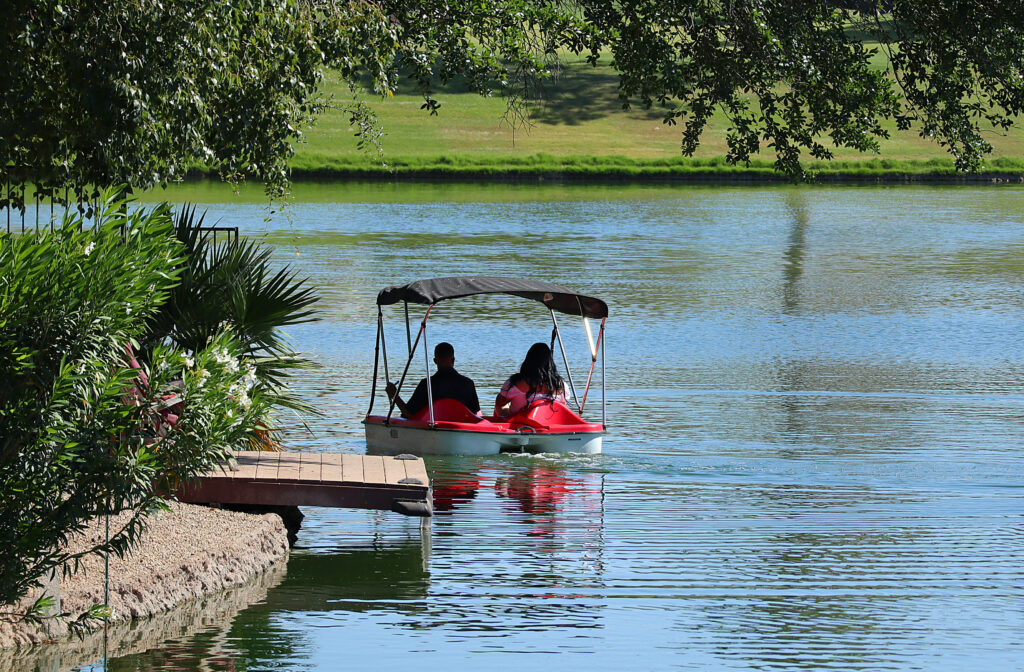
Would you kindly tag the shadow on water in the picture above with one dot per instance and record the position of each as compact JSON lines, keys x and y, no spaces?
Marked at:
{"x":375,"y":578}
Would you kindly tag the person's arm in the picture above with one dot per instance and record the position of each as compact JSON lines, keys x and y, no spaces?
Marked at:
{"x":510,"y":393}
{"x":501,"y":401}
{"x":393,"y":394}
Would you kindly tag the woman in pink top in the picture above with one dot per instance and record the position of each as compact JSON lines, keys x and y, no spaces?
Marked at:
{"x":537,"y":379}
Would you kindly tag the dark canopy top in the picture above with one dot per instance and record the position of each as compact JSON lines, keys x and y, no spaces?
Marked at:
{"x":555,"y":297}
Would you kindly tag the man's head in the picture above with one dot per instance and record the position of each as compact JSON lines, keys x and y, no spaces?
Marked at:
{"x":444,"y":354}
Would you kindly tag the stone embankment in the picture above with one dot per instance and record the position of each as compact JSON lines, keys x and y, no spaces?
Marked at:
{"x":185,"y":554}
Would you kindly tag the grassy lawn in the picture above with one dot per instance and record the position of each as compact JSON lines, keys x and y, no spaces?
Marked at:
{"x":579,"y":126}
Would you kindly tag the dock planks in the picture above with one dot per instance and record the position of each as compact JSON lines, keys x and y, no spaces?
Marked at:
{"x":317,"y":479}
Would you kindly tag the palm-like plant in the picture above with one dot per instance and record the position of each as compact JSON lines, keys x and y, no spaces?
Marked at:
{"x":231,"y":285}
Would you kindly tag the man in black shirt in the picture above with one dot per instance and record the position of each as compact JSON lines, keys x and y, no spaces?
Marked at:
{"x":447,"y":383}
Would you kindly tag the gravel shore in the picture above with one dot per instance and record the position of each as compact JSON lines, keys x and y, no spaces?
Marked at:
{"x":212,"y":615}
{"x":184,"y":554}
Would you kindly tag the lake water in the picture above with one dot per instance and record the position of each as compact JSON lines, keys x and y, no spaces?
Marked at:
{"x":815,"y":409}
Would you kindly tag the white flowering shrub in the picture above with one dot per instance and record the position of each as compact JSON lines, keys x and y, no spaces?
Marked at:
{"x":210,"y":404}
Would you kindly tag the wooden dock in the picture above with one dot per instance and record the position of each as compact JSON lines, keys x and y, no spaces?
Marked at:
{"x":344,"y":480}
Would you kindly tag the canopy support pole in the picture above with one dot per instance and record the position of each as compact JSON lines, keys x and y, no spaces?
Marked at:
{"x":426,"y":362}
{"x":384,"y":345}
{"x":603,"y":393}
{"x":565,"y":359}
{"x":376,"y":360}
{"x":593,"y":358}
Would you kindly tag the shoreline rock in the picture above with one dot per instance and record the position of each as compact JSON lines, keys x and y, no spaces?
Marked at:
{"x":185,"y":553}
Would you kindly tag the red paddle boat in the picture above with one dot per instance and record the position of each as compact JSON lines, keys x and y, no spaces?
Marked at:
{"x":447,"y":426}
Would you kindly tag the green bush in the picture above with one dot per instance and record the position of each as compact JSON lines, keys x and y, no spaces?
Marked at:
{"x":82,"y":433}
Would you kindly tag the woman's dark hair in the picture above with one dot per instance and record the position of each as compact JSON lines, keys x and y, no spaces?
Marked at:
{"x":538,"y":370}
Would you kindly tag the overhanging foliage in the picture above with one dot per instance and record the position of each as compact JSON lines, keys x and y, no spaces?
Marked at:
{"x":98,"y":92}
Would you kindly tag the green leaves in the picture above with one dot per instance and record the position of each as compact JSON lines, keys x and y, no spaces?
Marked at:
{"x":84,"y":429}
{"x":960,"y":66}
{"x":786,"y":74}
{"x":803,"y":76}
{"x":175,"y":85}
{"x":232,"y":85}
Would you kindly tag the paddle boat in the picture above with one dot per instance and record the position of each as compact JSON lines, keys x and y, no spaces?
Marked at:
{"x":447,"y":426}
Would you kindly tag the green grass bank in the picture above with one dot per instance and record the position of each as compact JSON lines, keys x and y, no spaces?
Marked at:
{"x":620,"y":168}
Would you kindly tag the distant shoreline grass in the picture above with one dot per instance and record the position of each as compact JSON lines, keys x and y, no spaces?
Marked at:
{"x":615,"y":168}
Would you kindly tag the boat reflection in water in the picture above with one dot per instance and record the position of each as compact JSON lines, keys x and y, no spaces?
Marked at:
{"x":454,"y":491}
{"x":543,"y":490}
{"x":539,"y":498}
{"x":536,"y":526}
{"x":538,"y":490}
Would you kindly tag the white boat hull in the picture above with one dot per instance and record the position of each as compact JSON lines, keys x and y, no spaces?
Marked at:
{"x":393,"y":440}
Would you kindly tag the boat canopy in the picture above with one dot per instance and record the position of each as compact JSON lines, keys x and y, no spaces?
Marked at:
{"x":555,"y":297}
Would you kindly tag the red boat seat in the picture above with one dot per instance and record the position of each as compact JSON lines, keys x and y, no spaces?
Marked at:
{"x":551,"y":413}
{"x":447,"y":410}
{"x":552,"y":416}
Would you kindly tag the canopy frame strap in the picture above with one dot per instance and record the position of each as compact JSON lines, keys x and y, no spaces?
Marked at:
{"x":376,"y":359}
{"x":604,"y":394}
{"x":408,"y":332}
{"x":593,"y":360}
{"x":384,"y":347}
{"x":565,"y":359}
